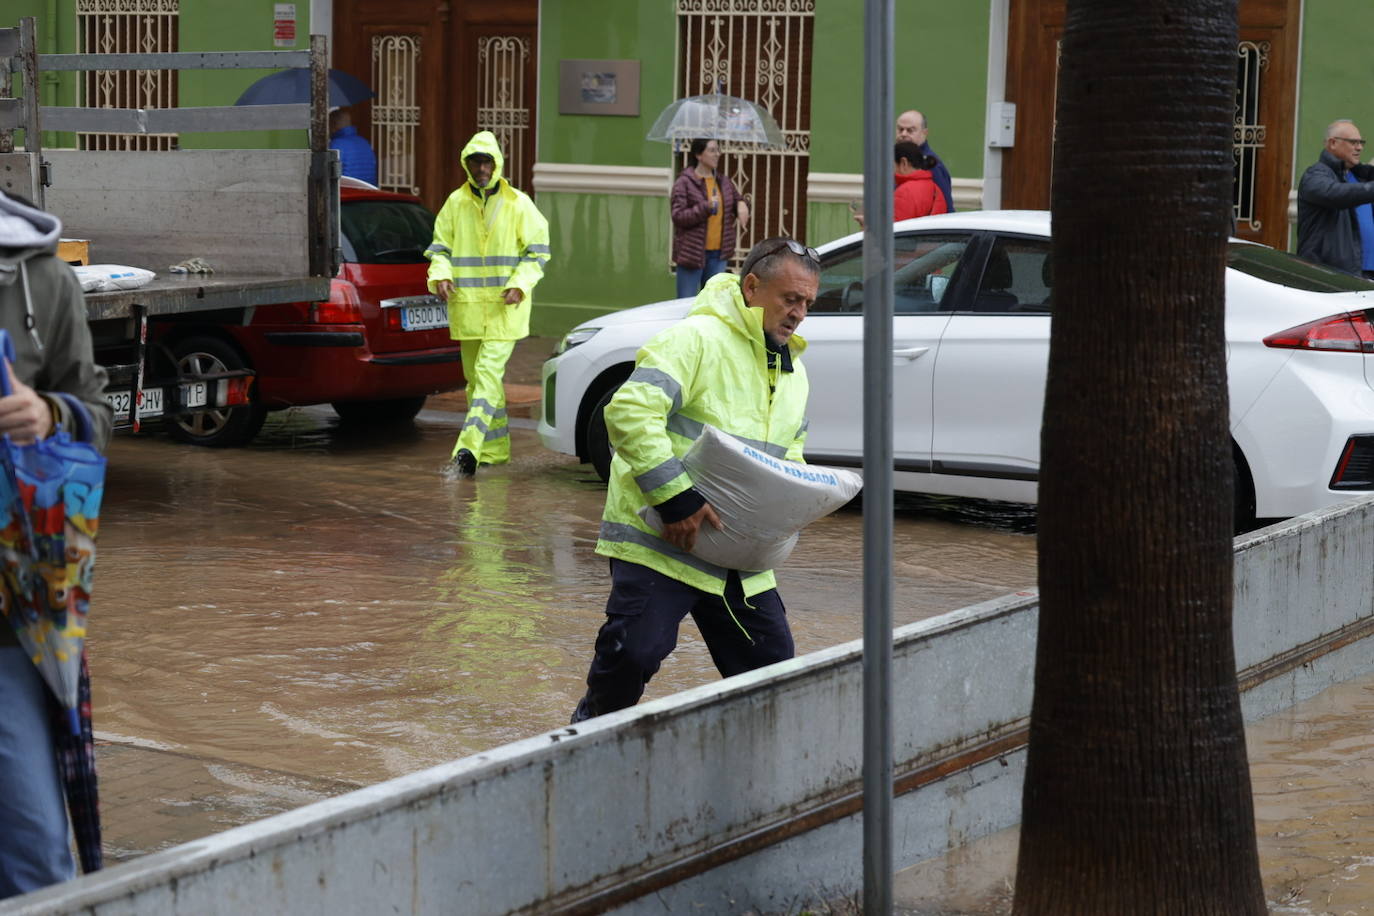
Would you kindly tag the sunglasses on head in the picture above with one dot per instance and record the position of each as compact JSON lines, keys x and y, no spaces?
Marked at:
{"x":792,"y":245}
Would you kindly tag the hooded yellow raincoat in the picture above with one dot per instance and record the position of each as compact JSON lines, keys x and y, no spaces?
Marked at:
{"x":712,"y":367}
{"x":487,"y":241}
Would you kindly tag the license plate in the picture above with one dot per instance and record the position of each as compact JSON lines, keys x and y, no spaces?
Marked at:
{"x":150,"y":402}
{"x":424,"y":317}
{"x":193,"y":394}
{"x":119,"y":402}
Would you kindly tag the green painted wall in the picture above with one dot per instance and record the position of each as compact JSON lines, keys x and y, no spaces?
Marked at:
{"x":643,"y":30}
{"x":826,"y":221}
{"x":244,"y":25}
{"x":609,"y":251}
{"x":952,"y":40}
{"x":56,"y":88}
{"x":1337,"y":73}
{"x":626,"y":239}
{"x":941,"y":68}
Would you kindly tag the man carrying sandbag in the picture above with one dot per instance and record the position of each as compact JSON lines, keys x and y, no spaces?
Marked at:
{"x":730,"y":364}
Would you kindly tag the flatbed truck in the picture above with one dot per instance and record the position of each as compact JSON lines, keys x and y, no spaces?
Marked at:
{"x":267,"y":221}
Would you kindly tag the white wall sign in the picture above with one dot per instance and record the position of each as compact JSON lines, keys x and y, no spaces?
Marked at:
{"x":284,"y":25}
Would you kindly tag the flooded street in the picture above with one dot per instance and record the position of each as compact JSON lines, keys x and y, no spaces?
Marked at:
{"x":1312,"y":773}
{"x":286,"y":622}
{"x":323,"y":609}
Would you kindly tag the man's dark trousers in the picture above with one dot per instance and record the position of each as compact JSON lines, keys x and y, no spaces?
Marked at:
{"x":642,"y":618}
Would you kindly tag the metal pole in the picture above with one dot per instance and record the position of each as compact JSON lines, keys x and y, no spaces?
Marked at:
{"x":33,"y":127}
{"x":877,"y":668}
{"x":323,"y":189}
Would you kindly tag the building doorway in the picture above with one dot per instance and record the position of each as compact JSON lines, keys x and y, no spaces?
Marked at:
{"x":1266,"y":64}
{"x":442,"y":70}
{"x":760,"y":51}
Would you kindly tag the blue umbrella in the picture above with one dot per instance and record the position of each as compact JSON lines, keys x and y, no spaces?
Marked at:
{"x":292,"y":87}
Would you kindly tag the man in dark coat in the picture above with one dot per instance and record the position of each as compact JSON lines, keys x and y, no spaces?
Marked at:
{"x":911,"y":128}
{"x":1335,"y":216}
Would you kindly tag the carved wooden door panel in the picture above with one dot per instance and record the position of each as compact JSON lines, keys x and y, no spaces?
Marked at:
{"x":442,"y":69}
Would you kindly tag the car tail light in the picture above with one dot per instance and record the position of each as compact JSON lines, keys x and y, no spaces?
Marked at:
{"x":1350,"y":333}
{"x":344,"y":305}
{"x":234,"y":391}
{"x":1355,"y":470}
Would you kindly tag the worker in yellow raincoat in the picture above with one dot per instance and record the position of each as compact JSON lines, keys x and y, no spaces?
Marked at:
{"x":490,"y":247}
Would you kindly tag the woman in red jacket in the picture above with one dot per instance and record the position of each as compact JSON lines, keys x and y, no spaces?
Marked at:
{"x":707,"y":210}
{"x":916,"y":193}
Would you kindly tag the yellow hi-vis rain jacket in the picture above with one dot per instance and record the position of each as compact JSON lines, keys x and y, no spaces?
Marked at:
{"x":711,"y":367}
{"x":488,"y":241}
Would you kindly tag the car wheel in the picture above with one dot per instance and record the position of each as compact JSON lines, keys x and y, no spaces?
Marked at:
{"x":1245,"y":493}
{"x":379,"y":413}
{"x":216,"y":428}
{"x":599,"y":450}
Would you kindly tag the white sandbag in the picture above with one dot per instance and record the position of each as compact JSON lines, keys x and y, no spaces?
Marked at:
{"x":99,"y":278}
{"x":763,"y":502}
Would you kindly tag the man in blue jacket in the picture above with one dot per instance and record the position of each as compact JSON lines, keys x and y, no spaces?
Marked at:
{"x":1335,"y":216}
{"x":356,"y":158}
{"x":911,"y":128}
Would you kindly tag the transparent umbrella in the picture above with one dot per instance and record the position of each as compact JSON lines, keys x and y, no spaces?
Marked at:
{"x":716,"y":117}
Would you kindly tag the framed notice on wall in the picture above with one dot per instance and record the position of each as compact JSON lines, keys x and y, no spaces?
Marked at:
{"x":598,"y":87}
{"x":284,"y":25}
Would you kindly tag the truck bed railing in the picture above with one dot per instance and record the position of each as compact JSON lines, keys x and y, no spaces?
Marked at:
{"x":266,"y":220}
{"x":28,"y":172}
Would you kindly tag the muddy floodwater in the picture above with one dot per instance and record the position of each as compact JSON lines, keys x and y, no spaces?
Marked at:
{"x":1312,"y":773}
{"x":322,"y":605}
{"x":279,"y":624}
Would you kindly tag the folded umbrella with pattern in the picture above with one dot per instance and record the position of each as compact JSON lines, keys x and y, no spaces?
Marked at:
{"x":50,"y":493}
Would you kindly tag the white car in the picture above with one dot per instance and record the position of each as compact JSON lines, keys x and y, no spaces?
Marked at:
{"x":971,"y":334}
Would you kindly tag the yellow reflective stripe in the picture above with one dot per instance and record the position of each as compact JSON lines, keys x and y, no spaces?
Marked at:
{"x":691,"y":429}
{"x":661,"y":380}
{"x":618,"y":532}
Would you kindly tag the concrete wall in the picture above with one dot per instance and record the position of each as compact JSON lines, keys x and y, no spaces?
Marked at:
{"x":739,"y":794}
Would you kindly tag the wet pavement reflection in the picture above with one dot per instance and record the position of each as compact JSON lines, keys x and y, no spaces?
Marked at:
{"x":1311,"y":772}
{"x":286,"y":622}
{"x":322,"y":606}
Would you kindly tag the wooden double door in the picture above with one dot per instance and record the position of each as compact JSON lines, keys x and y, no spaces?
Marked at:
{"x":1266,"y":61}
{"x":442,"y":70}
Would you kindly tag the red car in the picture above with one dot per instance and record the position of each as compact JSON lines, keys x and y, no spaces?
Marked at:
{"x":374,"y":351}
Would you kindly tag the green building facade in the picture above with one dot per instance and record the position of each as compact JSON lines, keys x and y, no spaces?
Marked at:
{"x":611,"y":246}
{"x":604,"y":187}
{"x":201,"y":25}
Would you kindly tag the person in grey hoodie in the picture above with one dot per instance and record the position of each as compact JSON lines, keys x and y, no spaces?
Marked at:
{"x":55,"y":384}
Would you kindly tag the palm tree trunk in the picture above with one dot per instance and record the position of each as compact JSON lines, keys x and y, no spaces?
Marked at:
{"x":1137,"y":794}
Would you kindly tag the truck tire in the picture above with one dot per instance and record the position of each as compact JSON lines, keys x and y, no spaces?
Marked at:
{"x":213,"y":428}
{"x":379,"y":413}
